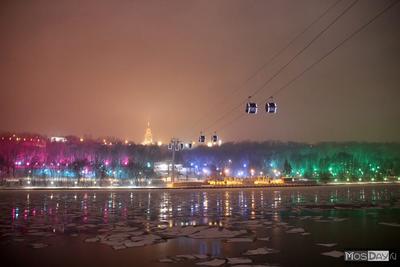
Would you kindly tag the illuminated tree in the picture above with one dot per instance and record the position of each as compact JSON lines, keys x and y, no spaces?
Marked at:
{"x":78,"y":166}
{"x":287,"y":168}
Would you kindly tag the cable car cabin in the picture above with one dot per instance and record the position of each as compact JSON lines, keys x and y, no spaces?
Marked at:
{"x":214,"y":138}
{"x":202,"y":139}
{"x":271,"y":107}
{"x":251,"y":108}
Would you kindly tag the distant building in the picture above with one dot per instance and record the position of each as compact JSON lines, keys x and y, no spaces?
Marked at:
{"x":164,"y":169}
{"x":148,"y":136}
{"x":58,"y":139}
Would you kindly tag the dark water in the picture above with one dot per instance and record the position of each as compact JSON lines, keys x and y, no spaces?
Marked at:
{"x":349,"y":217}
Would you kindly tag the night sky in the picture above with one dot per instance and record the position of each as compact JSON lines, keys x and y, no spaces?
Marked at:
{"x":105,"y":68}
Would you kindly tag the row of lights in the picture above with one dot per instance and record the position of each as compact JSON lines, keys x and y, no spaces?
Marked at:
{"x":20,"y":139}
{"x":81,"y":139}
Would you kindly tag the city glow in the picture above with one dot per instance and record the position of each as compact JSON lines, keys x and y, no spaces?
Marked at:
{"x":227,"y":171}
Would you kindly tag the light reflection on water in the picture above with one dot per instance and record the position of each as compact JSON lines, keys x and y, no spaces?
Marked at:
{"x":178,"y":207}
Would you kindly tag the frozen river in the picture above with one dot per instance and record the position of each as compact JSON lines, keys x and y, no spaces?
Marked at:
{"x":222,"y":227}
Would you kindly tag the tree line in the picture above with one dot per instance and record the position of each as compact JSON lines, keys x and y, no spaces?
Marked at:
{"x":29,"y":155}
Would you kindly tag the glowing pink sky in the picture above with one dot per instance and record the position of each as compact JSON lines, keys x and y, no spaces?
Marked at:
{"x":106,"y":67}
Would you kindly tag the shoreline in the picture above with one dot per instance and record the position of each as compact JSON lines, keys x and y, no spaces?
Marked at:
{"x":130,"y":188}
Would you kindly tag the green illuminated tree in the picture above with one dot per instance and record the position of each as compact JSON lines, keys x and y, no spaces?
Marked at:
{"x":287,"y":168}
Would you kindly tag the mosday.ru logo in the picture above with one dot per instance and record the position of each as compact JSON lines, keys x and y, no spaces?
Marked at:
{"x":369,"y":255}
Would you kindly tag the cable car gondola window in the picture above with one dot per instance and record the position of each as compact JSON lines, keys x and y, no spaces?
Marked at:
{"x":251,"y":108}
{"x":202,"y":138}
{"x":271,"y":107}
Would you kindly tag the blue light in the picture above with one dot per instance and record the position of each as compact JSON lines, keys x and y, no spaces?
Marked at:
{"x":272,"y":164}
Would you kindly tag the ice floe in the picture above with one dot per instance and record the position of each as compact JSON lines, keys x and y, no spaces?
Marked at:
{"x":39,"y":245}
{"x":166,"y":260}
{"x":260,"y":251}
{"x":213,"y":262}
{"x":181,"y":231}
{"x":186,"y":256}
{"x":239,"y":239}
{"x":390,"y":224}
{"x":217,"y":233}
{"x":333,"y":253}
{"x":200,"y":256}
{"x":295,"y":230}
{"x":239,"y":260}
{"x":327,"y":244}
{"x":91,"y":240}
{"x":339,"y":219}
{"x":118,"y":246}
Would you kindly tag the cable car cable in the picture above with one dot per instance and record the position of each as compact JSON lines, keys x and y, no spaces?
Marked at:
{"x":288,"y":63}
{"x":272,"y":59}
{"x":361,"y":28}
{"x":307,"y":46}
{"x":335,"y":48}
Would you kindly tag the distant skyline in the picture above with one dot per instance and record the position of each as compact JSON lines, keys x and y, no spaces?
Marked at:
{"x":106,"y":68}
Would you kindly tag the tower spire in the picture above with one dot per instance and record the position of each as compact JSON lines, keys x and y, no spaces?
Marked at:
{"x":148,"y":136}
